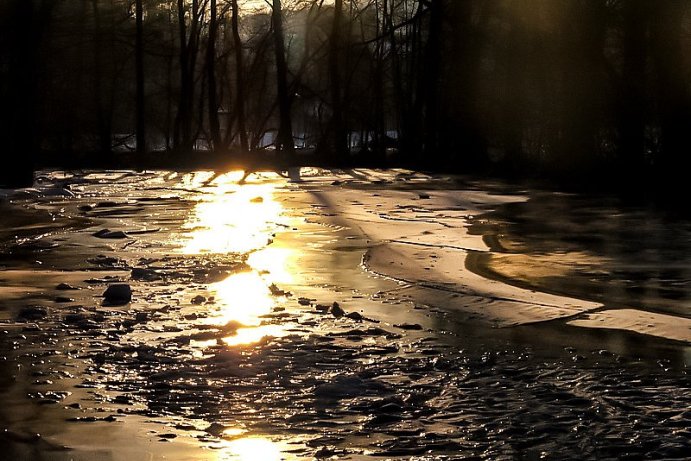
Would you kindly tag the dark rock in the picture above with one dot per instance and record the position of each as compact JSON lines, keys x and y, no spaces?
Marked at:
{"x":198,"y":299}
{"x":118,"y":294}
{"x":336,"y":310}
{"x":122,"y":400}
{"x":142,"y":273}
{"x":74,"y":318}
{"x":355,"y":316}
{"x":108,"y":234}
{"x":141,"y":316}
{"x":215,"y":429}
{"x":32,"y":313}
{"x":275,"y":291}
{"x":325,"y":452}
{"x":106,"y":279}
{"x":106,"y":204}
{"x":105,"y":261}
{"x":65,"y":286}
{"x":409,"y":326}
{"x":383,"y":419}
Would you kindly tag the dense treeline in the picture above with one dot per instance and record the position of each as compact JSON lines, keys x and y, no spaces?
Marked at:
{"x":570,"y":87}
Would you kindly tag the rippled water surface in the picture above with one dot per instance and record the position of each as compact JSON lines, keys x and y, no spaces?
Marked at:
{"x":254,"y":331}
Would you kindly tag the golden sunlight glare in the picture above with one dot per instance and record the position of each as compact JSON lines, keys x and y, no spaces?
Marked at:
{"x":251,"y":449}
{"x":232,"y":218}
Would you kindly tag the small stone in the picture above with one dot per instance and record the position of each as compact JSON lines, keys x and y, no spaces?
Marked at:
{"x":336,"y":310}
{"x":257,"y":200}
{"x":104,"y":261}
{"x":108,"y":234}
{"x":141,"y":316}
{"x":215,"y":429}
{"x":409,"y":326}
{"x":198,"y":299}
{"x":325,"y":452}
{"x":142,"y":273}
{"x":32,"y":313}
{"x":118,"y":294}
{"x":122,"y":400}
{"x":65,"y":286}
{"x":106,"y":204}
{"x":304,"y":301}
{"x":275,"y":291}
{"x":423,"y":195}
{"x":74,"y":318}
{"x":355,"y":316}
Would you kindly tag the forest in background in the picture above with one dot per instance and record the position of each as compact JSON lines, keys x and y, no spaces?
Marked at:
{"x":573,"y":88}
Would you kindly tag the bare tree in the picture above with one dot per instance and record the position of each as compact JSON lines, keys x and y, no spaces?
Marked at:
{"x":139,"y":65}
{"x":284,"y":140}
{"x":212,"y":103}
{"x":339,"y":135}
{"x":239,"y":77}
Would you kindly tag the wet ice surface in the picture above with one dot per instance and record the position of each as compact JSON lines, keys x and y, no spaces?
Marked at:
{"x":232,"y":347}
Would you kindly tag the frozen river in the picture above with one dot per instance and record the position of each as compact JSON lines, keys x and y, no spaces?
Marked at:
{"x":349,"y":315}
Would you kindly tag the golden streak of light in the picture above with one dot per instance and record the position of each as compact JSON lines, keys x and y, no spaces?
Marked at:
{"x":233,"y":432}
{"x":237,"y":218}
{"x":254,"y":335}
{"x":232,"y":217}
{"x":244,"y":298}
{"x":275,"y":262}
{"x":251,"y":449}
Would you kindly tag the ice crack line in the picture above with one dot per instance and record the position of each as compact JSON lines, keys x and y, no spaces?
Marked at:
{"x":440,"y":246}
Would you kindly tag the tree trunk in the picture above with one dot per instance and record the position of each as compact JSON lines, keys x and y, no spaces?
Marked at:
{"x":239,"y":78}
{"x":214,"y":124}
{"x":139,"y":64}
{"x":103,"y":114}
{"x":183,"y":123}
{"x":378,"y":144}
{"x":339,"y":138}
{"x":284,"y":141}
{"x":24,"y":28}
{"x":429,"y":79}
{"x":674,"y":100}
{"x":631,"y":109}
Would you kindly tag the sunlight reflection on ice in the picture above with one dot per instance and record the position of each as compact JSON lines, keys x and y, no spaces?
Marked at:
{"x":243,"y":297}
{"x":239,"y":218}
{"x":254,"y":334}
{"x":274,"y":261}
{"x":232,"y":217}
{"x":251,"y":448}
